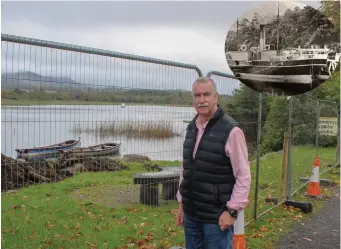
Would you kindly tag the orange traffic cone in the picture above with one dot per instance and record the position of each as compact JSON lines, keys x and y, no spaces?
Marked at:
{"x":314,"y":183}
{"x":239,"y":237}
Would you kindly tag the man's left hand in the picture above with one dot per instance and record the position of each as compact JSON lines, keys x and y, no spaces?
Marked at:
{"x":225,"y":221}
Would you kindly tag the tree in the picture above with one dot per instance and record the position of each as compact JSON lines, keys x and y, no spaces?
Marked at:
{"x":331,"y":9}
{"x":329,"y":90}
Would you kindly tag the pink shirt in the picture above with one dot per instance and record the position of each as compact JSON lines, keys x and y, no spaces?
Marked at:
{"x":236,"y":149}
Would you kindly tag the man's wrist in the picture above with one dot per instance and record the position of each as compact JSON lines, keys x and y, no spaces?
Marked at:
{"x":232,"y":212}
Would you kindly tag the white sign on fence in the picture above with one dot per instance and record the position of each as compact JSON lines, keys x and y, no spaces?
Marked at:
{"x":328,"y":126}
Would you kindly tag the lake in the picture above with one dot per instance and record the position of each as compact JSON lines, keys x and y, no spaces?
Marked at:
{"x":29,"y":126}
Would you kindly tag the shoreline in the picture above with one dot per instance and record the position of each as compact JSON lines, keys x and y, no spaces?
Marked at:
{"x":9,"y":102}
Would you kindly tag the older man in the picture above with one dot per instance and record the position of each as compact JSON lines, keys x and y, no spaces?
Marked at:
{"x":215,"y":175}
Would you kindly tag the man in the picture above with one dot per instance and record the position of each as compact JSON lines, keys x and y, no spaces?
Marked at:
{"x":215,"y":175}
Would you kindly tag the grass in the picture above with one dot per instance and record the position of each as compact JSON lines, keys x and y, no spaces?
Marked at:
{"x":137,"y":129}
{"x":46,"y":216}
{"x":26,"y":102}
{"x":265,"y":232}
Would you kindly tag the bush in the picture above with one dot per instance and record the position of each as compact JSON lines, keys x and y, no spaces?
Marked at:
{"x":327,"y":141}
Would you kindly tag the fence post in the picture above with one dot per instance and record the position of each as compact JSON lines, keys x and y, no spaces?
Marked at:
{"x":289,"y":150}
{"x":282,"y":193}
{"x":259,"y":127}
{"x":306,"y":207}
{"x":317,"y":126}
{"x":338,"y":139}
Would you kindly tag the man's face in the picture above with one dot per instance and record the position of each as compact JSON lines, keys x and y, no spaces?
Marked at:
{"x":205,"y":99}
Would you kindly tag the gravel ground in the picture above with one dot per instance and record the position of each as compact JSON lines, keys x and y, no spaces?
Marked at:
{"x":322,"y":231}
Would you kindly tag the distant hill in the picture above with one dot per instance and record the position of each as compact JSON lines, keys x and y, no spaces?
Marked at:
{"x":30,"y":80}
{"x":27,"y":80}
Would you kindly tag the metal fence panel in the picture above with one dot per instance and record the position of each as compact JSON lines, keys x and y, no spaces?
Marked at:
{"x":53,"y":92}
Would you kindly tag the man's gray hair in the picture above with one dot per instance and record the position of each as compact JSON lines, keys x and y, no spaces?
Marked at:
{"x":206,"y":80}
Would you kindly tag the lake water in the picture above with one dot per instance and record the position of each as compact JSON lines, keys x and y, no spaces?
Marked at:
{"x":29,"y":126}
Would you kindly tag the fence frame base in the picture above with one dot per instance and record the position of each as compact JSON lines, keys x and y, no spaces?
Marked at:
{"x":272,"y":199}
{"x":333,"y":165}
{"x":305,"y":207}
{"x":323,"y":182}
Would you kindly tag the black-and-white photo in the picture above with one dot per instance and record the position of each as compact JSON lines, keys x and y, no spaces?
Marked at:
{"x":282,"y":48}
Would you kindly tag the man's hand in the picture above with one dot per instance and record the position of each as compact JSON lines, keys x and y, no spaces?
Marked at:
{"x":225,"y":221}
{"x":179,"y":218}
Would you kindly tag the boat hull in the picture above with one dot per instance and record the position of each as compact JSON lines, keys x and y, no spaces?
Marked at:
{"x":36,"y":156}
{"x":45,"y":152}
{"x":298,"y":67}
{"x":290,"y":76}
{"x":92,"y":151}
{"x":292,"y":79}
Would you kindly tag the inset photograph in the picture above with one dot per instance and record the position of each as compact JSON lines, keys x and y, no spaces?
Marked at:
{"x":282,"y":48}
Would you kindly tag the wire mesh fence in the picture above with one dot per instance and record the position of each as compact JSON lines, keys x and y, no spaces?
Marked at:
{"x":138,"y":106}
{"x":123,"y":118}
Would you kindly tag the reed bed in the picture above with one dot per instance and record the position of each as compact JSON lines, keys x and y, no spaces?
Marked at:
{"x":133,"y":129}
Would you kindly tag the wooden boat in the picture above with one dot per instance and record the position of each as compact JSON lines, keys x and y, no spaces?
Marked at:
{"x":105,"y":149}
{"x":45,"y":152}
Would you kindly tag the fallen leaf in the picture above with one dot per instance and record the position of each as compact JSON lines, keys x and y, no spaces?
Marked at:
{"x":50,"y":226}
{"x":92,"y":246}
{"x":67,"y":227}
{"x":133,"y":210}
{"x":149,"y":238}
{"x":298,"y":217}
{"x":141,"y":243}
{"x":174,"y":211}
{"x":124,"y":220}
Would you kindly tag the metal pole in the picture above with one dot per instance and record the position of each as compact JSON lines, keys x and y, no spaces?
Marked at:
{"x":95,"y":51}
{"x":338,"y":139}
{"x":289,"y":150}
{"x":259,"y":126}
{"x":317,"y":127}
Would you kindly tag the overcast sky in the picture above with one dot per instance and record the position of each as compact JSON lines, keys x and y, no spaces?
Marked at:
{"x":188,"y":32}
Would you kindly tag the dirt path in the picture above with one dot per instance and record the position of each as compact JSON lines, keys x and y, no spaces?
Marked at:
{"x":322,"y":231}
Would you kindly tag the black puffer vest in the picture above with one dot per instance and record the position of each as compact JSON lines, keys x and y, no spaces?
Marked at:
{"x":208,"y":178}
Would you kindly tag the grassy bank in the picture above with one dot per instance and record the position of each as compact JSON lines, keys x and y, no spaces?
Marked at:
{"x":27,"y":102}
{"x":89,"y":211}
{"x":137,"y":129}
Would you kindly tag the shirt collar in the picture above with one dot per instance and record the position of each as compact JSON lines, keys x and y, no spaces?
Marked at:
{"x":200,"y":124}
